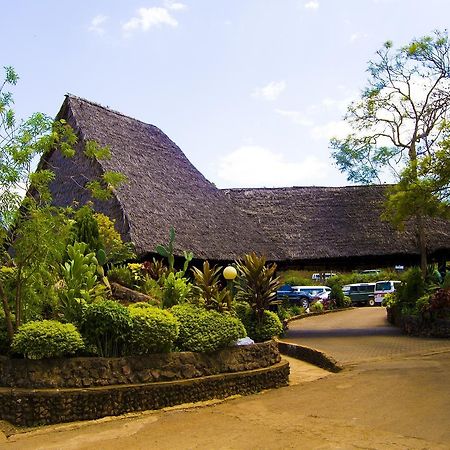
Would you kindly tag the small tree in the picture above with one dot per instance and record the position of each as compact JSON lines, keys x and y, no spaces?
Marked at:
{"x":401,"y":124}
{"x":257,"y":283}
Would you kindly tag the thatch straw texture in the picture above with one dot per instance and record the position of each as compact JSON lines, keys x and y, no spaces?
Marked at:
{"x":164,"y":189}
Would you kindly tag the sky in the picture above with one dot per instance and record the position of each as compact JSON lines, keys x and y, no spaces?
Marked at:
{"x":250,"y":90}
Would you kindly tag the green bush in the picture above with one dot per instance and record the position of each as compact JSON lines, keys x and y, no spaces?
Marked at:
{"x":154,"y":330}
{"x":264,"y":330}
{"x":412,"y":288}
{"x":206,"y":331}
{"x":317,"y":307}
{"x":107,"y":326}
{"x":122,"y":275}
{"x":176,"y":289}
{"x":47,"y":339}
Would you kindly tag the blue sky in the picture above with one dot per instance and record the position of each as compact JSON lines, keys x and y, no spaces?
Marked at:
{"x":250,"y":90}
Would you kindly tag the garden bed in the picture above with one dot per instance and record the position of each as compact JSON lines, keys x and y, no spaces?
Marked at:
{"x":419,"y":325}
{"x":52,"y":391}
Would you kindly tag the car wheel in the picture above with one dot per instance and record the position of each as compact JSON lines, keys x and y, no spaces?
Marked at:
{"x":305,"y":303}
{"x":371,"y":302}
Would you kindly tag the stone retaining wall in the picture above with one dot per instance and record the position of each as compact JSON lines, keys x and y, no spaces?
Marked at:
{"x":29,"y":407}
{"x":90,"y":372}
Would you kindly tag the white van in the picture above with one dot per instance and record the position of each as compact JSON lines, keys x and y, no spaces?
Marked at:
{"x":322,"y":276}
{"x":384,"y":287}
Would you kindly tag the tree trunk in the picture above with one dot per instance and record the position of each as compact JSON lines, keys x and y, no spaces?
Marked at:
{"x":422,"y":245}
{"x":9,"y":324}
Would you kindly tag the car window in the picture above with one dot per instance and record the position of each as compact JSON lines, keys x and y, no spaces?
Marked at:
{"x":383,"y":286}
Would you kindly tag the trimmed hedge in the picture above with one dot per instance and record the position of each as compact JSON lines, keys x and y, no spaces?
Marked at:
{"x":205,"y":331}
{"x":269,"y":327}
{"x":153,"y":330}
{"x":107,"y":325}
{"x":47,"y":339}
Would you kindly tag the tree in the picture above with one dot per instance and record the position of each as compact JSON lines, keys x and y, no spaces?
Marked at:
{"x":401,"y":124}
{"x":28,"y":225}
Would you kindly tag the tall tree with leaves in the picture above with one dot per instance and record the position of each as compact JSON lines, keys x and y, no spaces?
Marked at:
{"x":401,"y":124}
{"x":24,"y":193}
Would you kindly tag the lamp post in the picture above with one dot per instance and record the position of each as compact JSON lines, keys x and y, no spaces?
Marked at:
{"x":229,"y":273}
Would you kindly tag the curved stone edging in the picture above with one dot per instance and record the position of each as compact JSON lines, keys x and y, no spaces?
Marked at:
{"x":310,"y":355}
{"x":95,"y":371}
{"x":29,"y":407}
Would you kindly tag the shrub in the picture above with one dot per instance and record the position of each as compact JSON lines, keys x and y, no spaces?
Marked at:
{"x":122,"y":275}
{"x":261,"y":330}
{"x":317,"y":307}
{"x":336,"y":293}
{"x":423,"y":304}
{"x":154,"y":330}
{"x":412,"y":288}
{"x":446,"y":282}
{"x":47,"y":339}
{"x":440,"y":301}
{"x":206,"y":331}
{"x":107,"y":326}
{"x":176,"y":289}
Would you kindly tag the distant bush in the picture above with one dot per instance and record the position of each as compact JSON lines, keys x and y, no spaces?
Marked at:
{"x":317,"y":307}
{"x":47,"y":339}
{"x":153,"y":330}
{"x":122,"y":275}
{"x":205,"y":331}
{"x":264,"y":330}
{"x":107,"y":326}
{"x":412,"y":288}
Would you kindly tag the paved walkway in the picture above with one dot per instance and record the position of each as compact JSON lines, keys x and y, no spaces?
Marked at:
{"x":360,"y":334}
{"x":399,"y":401}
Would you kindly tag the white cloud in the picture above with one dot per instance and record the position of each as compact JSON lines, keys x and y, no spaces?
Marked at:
{"x":296,"y":117}
{"x":313,"y":5}
{"x":149,"y":17}
{"x":174,"y":5}
{"x":357,"y":37}
{"x":334,"y":128}
{"x":256,"y":166}
{"x":270,"y":91}
{"x":96,"y":25}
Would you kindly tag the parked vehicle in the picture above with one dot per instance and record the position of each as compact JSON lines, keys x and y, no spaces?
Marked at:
{"x":360,"y":293}
{"x":295,"y":296}
{"x":384,"y":287}
{"x":322,"y":276}
{"x":319,"y":292}
{"x":370,"y":272}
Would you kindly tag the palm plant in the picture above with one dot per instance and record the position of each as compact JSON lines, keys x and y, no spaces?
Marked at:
{"x":208,"y":287}
{"x":257,"y":283}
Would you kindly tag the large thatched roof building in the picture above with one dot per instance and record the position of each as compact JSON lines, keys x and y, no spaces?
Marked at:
{"x":305,"y":226}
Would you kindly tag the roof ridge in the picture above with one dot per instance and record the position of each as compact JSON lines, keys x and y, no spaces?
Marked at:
{"x":107,"y":108}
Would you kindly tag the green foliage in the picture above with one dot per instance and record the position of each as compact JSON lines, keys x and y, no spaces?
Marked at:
{"x":4,"y":340}
{"x":166,"y":251}
{"x":107,"y":325}
{"x":86,"y":229}
{"x":103,"y":188}
{"x":206,"y":331}
{"x":446,"y":282}
{"x":423,"y":304}
{"x":155,"y":269}
{"x":81,"y":282}
{"x":295,"y":280}
{"x":207,"y":287}
{"x":47,"y":339}
{"x":154,"y":330}
{"x":261,"y":330}
{"x":116,"y":250}
{"x":122,"y":275}
{"x":440,"y":302}
{"x":336,"y":293}
{"x":256,"y":283}
{"x":412,"y":288}
{"x":317,"y":307}
{"x":390,"y":300}
{"x":175,"y":290}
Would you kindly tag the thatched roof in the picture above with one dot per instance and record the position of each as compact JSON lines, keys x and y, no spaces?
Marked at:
{"x":164,"y":189}
{"x":317,"y":223}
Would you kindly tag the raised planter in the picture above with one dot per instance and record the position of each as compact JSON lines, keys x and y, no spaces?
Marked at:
{"x":52,"y":391}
